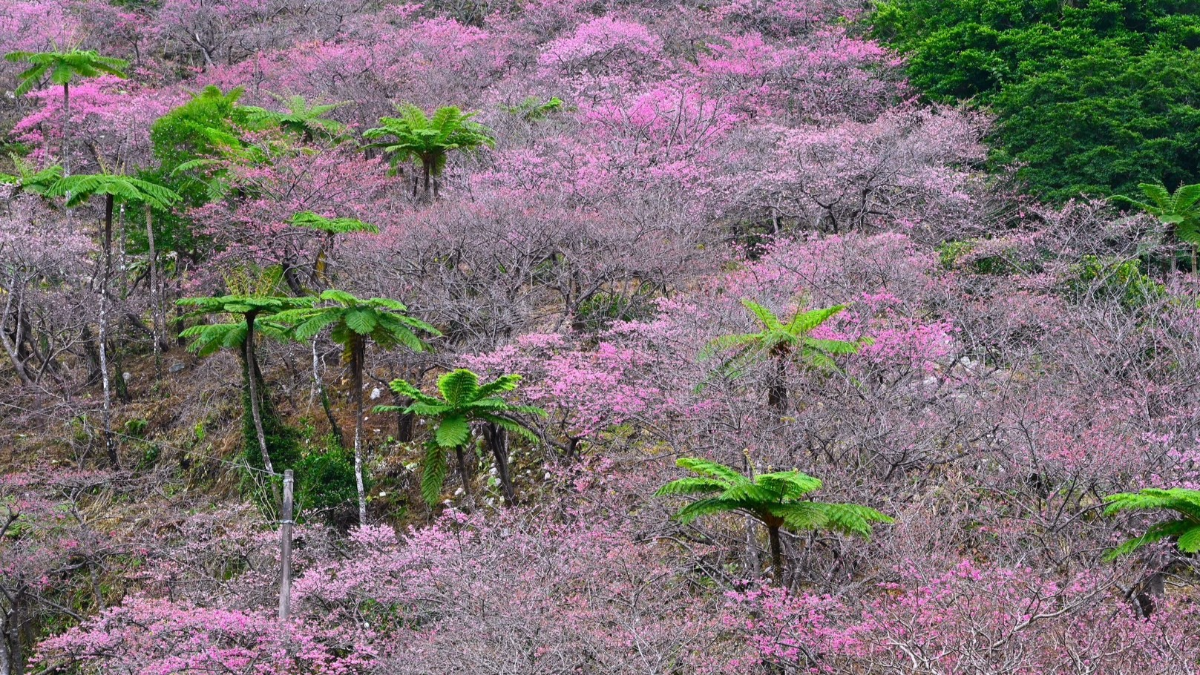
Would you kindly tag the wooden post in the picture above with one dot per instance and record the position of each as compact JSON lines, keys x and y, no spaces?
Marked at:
{"x":285,"y":549}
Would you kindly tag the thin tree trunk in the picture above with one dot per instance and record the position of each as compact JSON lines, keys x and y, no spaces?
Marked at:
{"x":109,"y":443}
{"x":497,"y":440}
{"x":777,"y":395}
{"x":334,"y":428}
{"x":6,"y":664}
{"x":776,"y":556}
{"x":10,"y":346}
{"x":155,"y":307}
{"x":119,"y":332}
{"x":357,"y":353}
{"x":426,"y":169}
{"x":255,"y":411}
{"x":463,"y":473}
{"x":66,"y":130}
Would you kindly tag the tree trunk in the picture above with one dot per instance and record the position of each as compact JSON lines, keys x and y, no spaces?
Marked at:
{"x":10,"y":345}
{"x":777,"y":394}
{"x":404,"y":421}
{"x":6,"y":664}
{"x":464,"y":473}
{"x":497,"y":440}
{"x":776,"y":555}
{"x":255,"y":411}
{"x":119,"y":332}
{"x":109,"y":443}
{"x":334,"y":428}
{"x":66,"y":131}
{"x":155,"y":306}
{"x":358,"y":348}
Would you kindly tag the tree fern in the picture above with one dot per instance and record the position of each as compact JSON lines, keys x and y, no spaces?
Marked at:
{"x":428,"y":139}
{"x":781,"y":342}
{"x":1185,"y":530}
{"x":300,"y":117}
{"x":463,"y":401}
{"x":777,"y":500}
{"x":353,"y":322}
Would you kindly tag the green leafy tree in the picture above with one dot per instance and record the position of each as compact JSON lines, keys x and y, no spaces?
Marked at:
{"x":781,"y":342}
{"x":64,"y":67}
{"x":190,"y":143}
{"x":463,"y":401}
{"x":239,"y":336}
{"x":354,"y":322}
{"x":331,"y":227}
{"x":1179,"y":211}
{"x":777,"y":500}
{"x":1089,"y":96}
{"x":300,"y":117}
{"x":116,"y":189}
{"x":1184,"y":530}
{"x":31,"y":180}
{"x":429,"y":140}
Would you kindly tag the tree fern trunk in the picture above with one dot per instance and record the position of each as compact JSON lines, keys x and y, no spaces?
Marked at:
{"x":464,"y":473}
{"x":255,"y":409}
{"x":66,"y":130}
{"x":776,"y":556}
{"x":110,"y":446}
{"x":357,"y":353}
{"x":777,"y":394}
{"x":497,"y":440}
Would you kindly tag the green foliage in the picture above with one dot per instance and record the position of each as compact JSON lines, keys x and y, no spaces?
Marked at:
{"x":187,"y":142}
{"x":384,"y":322}
{"x":202,"y":128}
{"x":778,"y":500}
{"x":123,"y":189}
{"x":1185,"y":529}
{"x":600,"y":310}
{"x":1091,"y":96}
{"x":1115,"y":279}
{"x":462,"y":401}
{"x":533,"y":108}
{"x":63,"y":67}
{"x":299,"y":117}
{"x":1179,"y":211}
{"x":31,"y":180}
{"x":331,"y":226}
{"x":428,"y":140}
{"x":782,"y":340}
{"x":325,"y":482}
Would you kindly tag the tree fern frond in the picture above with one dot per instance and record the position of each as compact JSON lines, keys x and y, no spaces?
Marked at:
{"x":711,"y":469}
{"x":433,"y":473}
{"x":691,"y":486}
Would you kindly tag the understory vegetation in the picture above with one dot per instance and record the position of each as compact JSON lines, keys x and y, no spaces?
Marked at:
{"x":793,"y":336}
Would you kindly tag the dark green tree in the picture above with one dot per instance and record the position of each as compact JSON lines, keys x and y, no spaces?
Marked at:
{"x":239,"y":336}
{"x":116,"y":189}
{"x":777,"y":500}
{"x":63,"y":67}
{"x":354,"y":322}
{"x":307,"y":120}
{"x":781,"y":342}
{"x":429,"y":140}
{"x":1090,"y":96}
{"x":463,"y":401}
